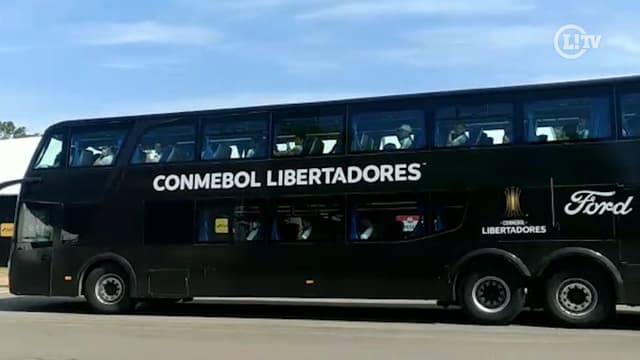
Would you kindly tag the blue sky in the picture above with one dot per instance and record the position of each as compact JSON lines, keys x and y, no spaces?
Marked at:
{"x":67,"y":59}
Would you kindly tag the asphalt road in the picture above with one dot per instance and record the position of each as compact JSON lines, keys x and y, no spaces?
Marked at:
{"x":61,"y":329}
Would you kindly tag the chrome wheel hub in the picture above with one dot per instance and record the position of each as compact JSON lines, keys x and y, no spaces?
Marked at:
{"x":491,"y":294}
{"x":110,"y":289}
{"x":577,"y":297}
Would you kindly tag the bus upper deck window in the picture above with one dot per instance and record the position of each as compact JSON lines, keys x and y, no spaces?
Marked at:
{"x":95,"y":148}
{"x":308,"y":136}
{"x":235,"y":137}
{"x":166,"y":144}
{"x":484,"y":124}
{"x":568,"y":119}
{"x":630,"y":104}
{"x":51,"y":154}
{"x":387,"y":131}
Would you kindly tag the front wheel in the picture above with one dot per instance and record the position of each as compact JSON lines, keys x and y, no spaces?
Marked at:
{"x":579,"y":298}
{"x":492,"y":297}
{"x":107,"y":290}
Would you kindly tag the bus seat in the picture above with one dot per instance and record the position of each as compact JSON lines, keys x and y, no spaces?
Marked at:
{"x":139,"y":156}
{"x":205,"y":227}
{"x":307,"y":145}
{"x":207,"y":154}
{"x":371,"y":145}
{"x":353,"y":224}
{"x":364,"y":142}
{"x":86,"y":158}
{"x":419,"y":230}
{"x":168,"y":156}
{"x":419,"y":140}
{"x":337,"y":148}
{"x":317,"y":148}
{"x":223,"y":152}
{"x":275,"y":234}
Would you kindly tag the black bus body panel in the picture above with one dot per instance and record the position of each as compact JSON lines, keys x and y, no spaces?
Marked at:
{"x":113,"y":202}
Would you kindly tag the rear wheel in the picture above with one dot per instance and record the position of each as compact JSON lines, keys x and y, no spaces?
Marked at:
{"x":492,"y":297}
{"x":107,"y":290}
{"x":580,"y":298}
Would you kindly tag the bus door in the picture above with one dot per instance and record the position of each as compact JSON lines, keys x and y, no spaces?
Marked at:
{"x":38,"y":233}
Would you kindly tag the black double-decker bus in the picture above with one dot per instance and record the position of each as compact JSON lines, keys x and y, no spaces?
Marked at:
{"x":491,"y":199}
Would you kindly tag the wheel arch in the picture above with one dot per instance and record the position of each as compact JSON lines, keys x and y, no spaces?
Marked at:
{"x":583,"y":255}
{"x":97,"y":260}
{"x":487,"y":254}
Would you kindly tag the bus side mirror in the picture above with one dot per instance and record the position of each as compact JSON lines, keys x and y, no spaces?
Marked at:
{"x":28,"y":180}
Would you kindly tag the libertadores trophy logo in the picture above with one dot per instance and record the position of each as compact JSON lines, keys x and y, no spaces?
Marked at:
{"x":512,"y":208}
{"x":514,"y":221}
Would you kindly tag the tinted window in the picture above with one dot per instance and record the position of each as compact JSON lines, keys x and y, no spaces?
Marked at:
{"x":568,"y":119}
{"x":309,"y":219}
{"x":447,"y":209}
{"x":235,"y":138}
{"x":227,"y":221}
{"x":305,"y":136}
{"x":385,"y":218}
{"x":95,"y":148}
{"x":387,"y":131}
{"x":474,"y":125}
{"x":630,"y":114}
{"x":36,"y":225}
{"x":166,"y":144}
{"x":51,"y":154}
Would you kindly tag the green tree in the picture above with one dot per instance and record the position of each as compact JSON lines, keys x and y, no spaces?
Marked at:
{"x":9,"y":130}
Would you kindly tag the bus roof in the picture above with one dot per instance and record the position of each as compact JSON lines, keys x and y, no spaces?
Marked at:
{"x":608,"y":81}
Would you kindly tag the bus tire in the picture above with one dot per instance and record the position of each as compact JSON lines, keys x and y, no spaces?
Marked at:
{"x":107,"y":290}
{"x":579,"y":298}
{"x":493,"y":297}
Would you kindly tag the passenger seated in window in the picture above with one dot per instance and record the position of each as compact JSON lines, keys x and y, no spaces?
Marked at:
{"x":582,"y":130}
{"x":458,"y":136}
{"x":305,"y":230}
{"x":297,"y":148}
{"x":559,"y":133}
{"x":256,"y":148}
{"x":154,"y":155}
{"x":368,"y":232}
{"x":254,"y":231}
{"x":105,"y":158}
{"x":506,"y":138}
{"x":485,"y":139}
{"x":404,"y":136}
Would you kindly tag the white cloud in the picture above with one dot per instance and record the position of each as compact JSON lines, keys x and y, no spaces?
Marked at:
{"x":301,"y":67}
{"x":356,"y":10}
{"x":143,"y":63}
{"x":625,"y":43}
{"x":130,"y":108}
{"x":514,"y":36}
{"x":145,"y":32}
{"x":243,"y":99}
{"x":466,"y":46}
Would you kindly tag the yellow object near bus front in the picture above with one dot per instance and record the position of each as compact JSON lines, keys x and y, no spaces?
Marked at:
{"x":6,"y":230}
